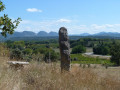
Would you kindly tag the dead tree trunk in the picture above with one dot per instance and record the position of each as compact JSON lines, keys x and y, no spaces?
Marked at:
{"x":64,"y":49}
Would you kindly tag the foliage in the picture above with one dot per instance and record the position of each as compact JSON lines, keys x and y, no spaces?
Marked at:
{"x":115,"y":53}
{"x":6,"y":24}
{"x":39,"y":50}
{"x":78,"y":49}
{"x":16,"y":54}
{"x":101,"y":49}
{"x":33,"y":50}
{"x":51,"y":55}
{"x":27,"y":51}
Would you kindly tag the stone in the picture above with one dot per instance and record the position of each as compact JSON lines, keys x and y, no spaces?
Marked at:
{"x":17,"y":64}
{"x":64,"y":49}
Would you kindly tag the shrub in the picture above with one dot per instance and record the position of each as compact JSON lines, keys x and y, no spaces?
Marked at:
{"x":101,"y":49}
{"x":75,"y":59}
{"x":78,"y":49}
{"x":115,"y":54}
{"x":52,"y":55}
{"x":17,"y":54}
{"x":27,"y":51}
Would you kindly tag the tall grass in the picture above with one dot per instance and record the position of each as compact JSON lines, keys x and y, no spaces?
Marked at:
{"x":49,"y":77}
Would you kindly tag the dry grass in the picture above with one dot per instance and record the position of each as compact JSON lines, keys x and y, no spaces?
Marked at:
{"x":48,"y":77}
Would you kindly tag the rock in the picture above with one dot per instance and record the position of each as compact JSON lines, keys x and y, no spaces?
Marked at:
{"x":64,"y":49}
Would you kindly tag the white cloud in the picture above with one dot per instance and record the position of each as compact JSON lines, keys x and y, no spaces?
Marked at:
{"x":33,"y":10}
{"x":45,"y":25}
{"x":64,"y":20}
{"x":109,"y":25}
{"x":73,"y":27}
{"x":105,"y":27}
{"x":97,"y":27}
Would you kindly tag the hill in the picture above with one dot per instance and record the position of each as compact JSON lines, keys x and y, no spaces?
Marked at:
{"x":42,"y":35}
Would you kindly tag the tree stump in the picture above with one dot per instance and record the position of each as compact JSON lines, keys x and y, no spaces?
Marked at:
{"x":64,"y":49}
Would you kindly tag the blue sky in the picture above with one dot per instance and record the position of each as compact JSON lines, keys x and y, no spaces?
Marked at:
{"x":78,"y":16}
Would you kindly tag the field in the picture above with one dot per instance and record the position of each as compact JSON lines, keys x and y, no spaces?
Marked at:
{"x":84,"y":59}
{"x":42,"y":76}
{"x":86,"y":73}
{"x":79,"y":58}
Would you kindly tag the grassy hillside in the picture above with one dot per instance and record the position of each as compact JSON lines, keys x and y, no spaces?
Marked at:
{"x":49,"y":77}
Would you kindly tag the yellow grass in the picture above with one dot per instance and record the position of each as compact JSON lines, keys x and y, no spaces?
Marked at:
{"x":49,"y":77}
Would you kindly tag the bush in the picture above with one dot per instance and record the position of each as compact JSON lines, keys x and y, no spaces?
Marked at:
{"x":16,"y":54}
{"x":27,"y":51}
{"x":75,"y":59}
{"x":52,"y":55}
{"x":78,"y":49}
{"x":115,"y":54}
{"x":101,"y":49}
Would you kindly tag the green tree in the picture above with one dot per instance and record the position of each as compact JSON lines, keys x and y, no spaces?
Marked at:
{"x":115,"y":54}
{"x":52,"y":55}
{"x":16,"y":54}
{"x":101,"y":49}
{"x":19,"y":44}
{"x":27,"y":51}
{"x":78,"y":49}
{"x":6,"y":24}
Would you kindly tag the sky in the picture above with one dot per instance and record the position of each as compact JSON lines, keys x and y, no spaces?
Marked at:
{"x":78,"y":16}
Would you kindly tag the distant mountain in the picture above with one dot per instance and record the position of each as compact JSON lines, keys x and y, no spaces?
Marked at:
{"x":82,"y":34}
{"x":28,"y":33}
{"x":112,"y":34}
{"x":16,"y":34}
{"x":85,"y":34}
{"x":53,"y":33}
{"x":22,"y":34}
{"x":100,"y":35}
{"x":32,"y":34}
{"x":42,"y":33}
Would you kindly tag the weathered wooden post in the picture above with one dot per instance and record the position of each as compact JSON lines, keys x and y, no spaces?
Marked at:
{"x":64,"y":49}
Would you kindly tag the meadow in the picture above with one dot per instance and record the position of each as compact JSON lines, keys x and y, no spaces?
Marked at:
{"x":81,"y":59}
{"x":42,"y":76}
